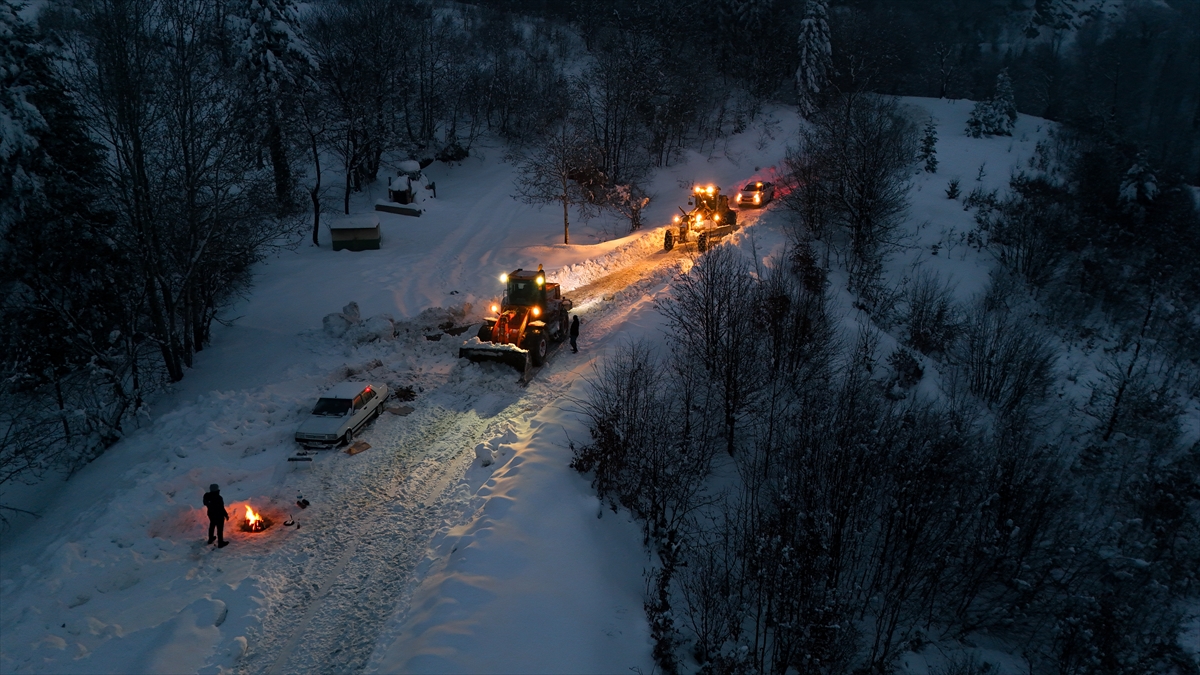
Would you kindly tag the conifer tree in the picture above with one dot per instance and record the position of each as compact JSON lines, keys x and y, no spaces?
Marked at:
{"x":929,"y":146}
{"x":996,"y":116}
{"x":816,"y":55}
{"x":275,"y":56}
{"x":68,"y":345}
{"x":20,"y":120}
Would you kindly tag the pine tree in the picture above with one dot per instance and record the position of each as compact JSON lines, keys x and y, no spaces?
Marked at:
{"x":68,"y":319}
{"x":996,"y":116}
{"x":275,"y":56}
{"x":20,"y":120}
{"x":1004,"y":103}
{"x":816,"y":55}
{"x":929,"y":146}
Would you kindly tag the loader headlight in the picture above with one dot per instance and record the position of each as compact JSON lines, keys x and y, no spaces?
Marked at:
{"x":537,"y":311}
{"x":677,"y":219}
{"x":495,"y":309}
{"x":717,"y":218}
{"x":504,"y":278}
{"x":541,"y":280}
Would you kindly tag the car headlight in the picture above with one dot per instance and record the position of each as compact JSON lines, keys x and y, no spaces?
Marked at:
{"x":739,"y":197}
{"x":756,"y":199}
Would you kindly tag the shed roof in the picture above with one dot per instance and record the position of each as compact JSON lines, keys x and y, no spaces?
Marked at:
{"x":356,"y":222}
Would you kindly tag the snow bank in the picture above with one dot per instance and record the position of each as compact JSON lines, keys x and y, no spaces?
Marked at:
{"x":585,"y":272}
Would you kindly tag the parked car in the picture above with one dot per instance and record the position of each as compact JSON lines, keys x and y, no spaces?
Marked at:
{"x":756,"y":194}
{"x":341,"y":413}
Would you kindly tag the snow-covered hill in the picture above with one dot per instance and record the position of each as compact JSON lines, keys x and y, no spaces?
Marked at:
{"x":115,"y":575}
{"x":413,"y":557}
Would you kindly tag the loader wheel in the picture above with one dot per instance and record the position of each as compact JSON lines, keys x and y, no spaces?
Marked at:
{"x":702,"y":243}
{"x":668,"y":241}
{"x":537,"y":350}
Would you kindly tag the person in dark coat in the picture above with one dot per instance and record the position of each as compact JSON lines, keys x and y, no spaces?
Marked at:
{"x":574,"y":333}
{"x":217,"y":515}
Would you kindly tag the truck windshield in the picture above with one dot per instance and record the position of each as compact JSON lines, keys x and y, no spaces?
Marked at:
{"x":332,"y":407}
{"x":523,"y":292}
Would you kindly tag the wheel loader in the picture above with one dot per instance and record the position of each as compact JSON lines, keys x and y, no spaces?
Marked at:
{"x":709,"y":220}
{"x":531,"y":316}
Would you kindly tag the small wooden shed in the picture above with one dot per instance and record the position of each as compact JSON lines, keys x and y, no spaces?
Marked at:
{"x":355,"y":233}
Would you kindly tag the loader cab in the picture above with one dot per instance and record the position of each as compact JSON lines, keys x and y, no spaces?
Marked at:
{"x":523,"y":288}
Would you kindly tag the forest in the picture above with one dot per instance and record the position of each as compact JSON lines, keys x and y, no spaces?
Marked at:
{"x":804,"y":508}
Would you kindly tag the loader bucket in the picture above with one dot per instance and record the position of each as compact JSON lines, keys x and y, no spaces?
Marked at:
{"x":479,"y":352}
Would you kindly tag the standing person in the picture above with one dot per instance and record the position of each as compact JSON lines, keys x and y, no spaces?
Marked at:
{"x":574,"y":333}
{"x":217,"y":515}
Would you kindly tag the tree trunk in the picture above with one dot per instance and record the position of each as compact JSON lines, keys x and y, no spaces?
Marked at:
{"x":315,"y":192}
{"x":283,"y":172}
{"x":566,"y":223}
{"x":1137,"y":350}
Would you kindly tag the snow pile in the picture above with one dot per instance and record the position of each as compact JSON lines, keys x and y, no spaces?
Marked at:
{"x":476,"y":343}
{"x":348,"y":324}
{"x":583,"y":273}
{"x":484,"y":454}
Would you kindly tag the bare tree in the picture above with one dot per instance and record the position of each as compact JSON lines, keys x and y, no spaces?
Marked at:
{"x":718,"y":336}
{"x":851,"y":168}
{"x":551,"y":172}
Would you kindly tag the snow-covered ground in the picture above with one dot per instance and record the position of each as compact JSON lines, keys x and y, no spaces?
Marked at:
{"x":414,"y":556}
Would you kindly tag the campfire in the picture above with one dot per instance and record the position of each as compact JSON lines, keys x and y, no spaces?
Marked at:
{"x":255,"y":522}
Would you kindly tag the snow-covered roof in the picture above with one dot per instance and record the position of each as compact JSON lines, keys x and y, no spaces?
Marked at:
{"x":355,"y":222}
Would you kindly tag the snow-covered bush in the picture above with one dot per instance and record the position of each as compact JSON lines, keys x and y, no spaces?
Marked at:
{"x":906,"y":370}
{"x":628,"y":200}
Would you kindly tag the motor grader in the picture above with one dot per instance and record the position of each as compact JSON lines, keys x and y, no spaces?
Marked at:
{"x":531,"y":315}
{"x":709,"y":220}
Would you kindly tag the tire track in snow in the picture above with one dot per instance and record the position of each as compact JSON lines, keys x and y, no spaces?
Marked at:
{"x":340,"y":596}
{"x":348,"y":579}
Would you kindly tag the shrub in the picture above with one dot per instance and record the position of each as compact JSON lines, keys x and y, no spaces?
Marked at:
{"x":1007,"y":362}
{"x":907,"y":371}
{"x":930,"y":313}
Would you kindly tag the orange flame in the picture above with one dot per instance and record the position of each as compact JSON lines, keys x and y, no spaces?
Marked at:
{"x":253,"y":520}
